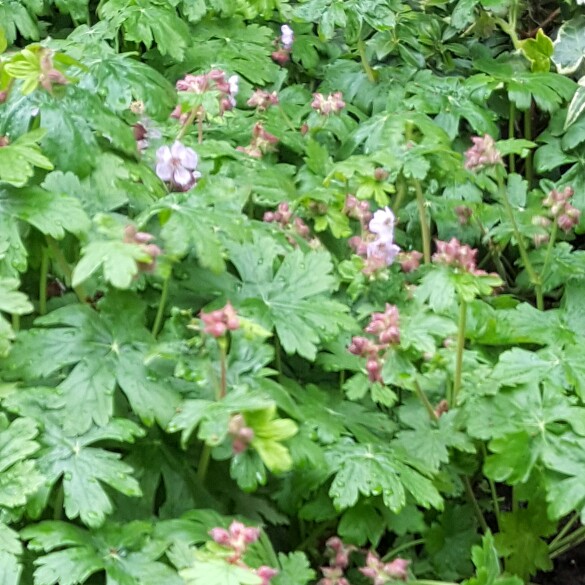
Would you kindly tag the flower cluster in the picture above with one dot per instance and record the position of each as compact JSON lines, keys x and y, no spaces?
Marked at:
{"x":219,"y":322}
{"x":176,"y":165}
{"x":381,"y":573}
{"x":483,"y":153}
{"x":236,"y":539}
{"x":359,"y":210}
{"x":284,"y":43}
{"x":332,"y":104}
{"x":216,"y":81}
{"x":338,"y":554}
{"x":285,"y":218}
{"x":458,"y":255}
{"x":261,"y":143}
{"x":566,"y":215}
{"x":409,"y":261}
{"x":262,"y":100}
{"x":241,"y":434}
{"x":143,"y":239}
{"x":385,"y":326}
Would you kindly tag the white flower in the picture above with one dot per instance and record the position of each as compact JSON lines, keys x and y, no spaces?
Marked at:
{"x":177,"y":164}
{"x":286,"y":36}
{"x":383,"y":249}
{"x":234,"y":82}
{"x":382,"y":224}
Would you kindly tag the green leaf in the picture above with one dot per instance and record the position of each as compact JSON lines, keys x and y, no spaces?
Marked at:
{"x":104,"y":352}
{"x":371,"y":471}
{"x":18,"y":159}
{"x":212,"y":571}
{"x":577,"y":105}
{"x":538,"y":51}
{"x":294,"y":569}
{"x":20,"y":17}
{"x":569,"y":46}
{"x":362,"y":524}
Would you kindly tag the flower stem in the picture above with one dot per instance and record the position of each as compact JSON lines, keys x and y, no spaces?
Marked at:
{"x":549,"y":248}
{"x":528,"y":169}
{"x":203,"y":463}
{"x":534,"y":278}
{"x":425,"y":401}
{"x":161,"y":306}
{"x":222,"y":342}
{"x":65,"y":269}
{"x":15,"y":322}
{"x":511,"y":133}
{"x":493,"y":491}
{"x":567,"y":543}
{"x":562,"y":533}
{"x":188,"y":122}
{"x":424,"y":224}
{"x":473,"y":501}
{"x":460,"y":348}
{"x":395,"y":551}
{"x":43,"y":281}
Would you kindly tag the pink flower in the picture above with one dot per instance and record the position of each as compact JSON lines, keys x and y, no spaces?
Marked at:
{"x":385,"y":325}
{"x":237,"y":538}
{"x":281,"y":56}
{"x":380,"y":573}
{"x":382,"y":251}
{"x":409,"y":261}
{"x":333,"y":576}
{"x":332,"y":104}
{"x":176,"y":165}
{"x":262,"y":100}
{"x":262,"y":142}
{"x":219,"y":322}
{"x":241,"y":434}
{"x":483,"y":153}
{"x":266,"y":573}
{"x":339,"y":552}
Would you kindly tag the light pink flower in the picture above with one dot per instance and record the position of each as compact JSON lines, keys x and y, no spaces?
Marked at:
{"x":177,"y":165}
{"x":287,"y":37}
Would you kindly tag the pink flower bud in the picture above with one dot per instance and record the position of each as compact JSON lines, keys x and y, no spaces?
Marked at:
{"x":397,"y":569}
{"x":266,"y":574}
{"x":220,"y":536}
{"x":281,"y":56}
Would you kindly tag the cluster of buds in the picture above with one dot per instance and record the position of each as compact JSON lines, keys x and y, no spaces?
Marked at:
{"x":216,"y":81}
{"x":332,"y":104}
{"x":381,"y":573}
{"x":461,"y":256}
{"x":262,"y":100}
{"x":48,"y":74}
{"x":284,"y":45}
{"x":176,"y":165}
{"x":241,"y":434}
{"x":376,"y":244}
{"x":385,"y":326}
{"x":284,"y":217}
{"x":143,"y":239}
{"x":143,"y":130}
{"x":409,"y":261}
{"x":566,"y":215}
{"x":236,"y":539}
{"x":219,"y":322}
{"x":359,"y":210}
{"x":483,"y":153}
{"x":261,"y":143}
{"x":338,"y":554}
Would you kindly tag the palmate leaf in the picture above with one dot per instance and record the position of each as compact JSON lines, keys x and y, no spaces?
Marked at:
{"x":10,"y":550}
{"x":14,"y":302}
{"x":18,"y":159}
{"x":292,"y":298}
{"x":214,"y":571}
{"x":372,"y":470}
{"x":105,"y":351}
{"x":20,"y":17}
{"x":84,"y":469}
{"x":294,"y":569}
{"x":127,"y":554}
{"x":569,"y":46}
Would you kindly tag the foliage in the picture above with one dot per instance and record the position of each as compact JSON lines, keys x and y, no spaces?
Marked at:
{"x":291,"y":289}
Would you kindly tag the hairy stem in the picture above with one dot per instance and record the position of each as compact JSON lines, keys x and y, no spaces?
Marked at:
{"x":161,"y":306}
{"x":222,"y":342}
{"x":529,"y":168}
{"x":460,"y":347}
{"x":549,"y":248}
{"x":424,"y":224}
{"x":15,"y":322}
{"x":44,"y":271}
{"x":195,"y":112}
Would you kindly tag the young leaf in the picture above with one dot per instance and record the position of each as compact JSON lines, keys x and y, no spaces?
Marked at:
{"x":18,"y":159}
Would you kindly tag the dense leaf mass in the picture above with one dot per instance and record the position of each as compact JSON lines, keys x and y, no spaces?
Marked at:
{"x":291,"y":291}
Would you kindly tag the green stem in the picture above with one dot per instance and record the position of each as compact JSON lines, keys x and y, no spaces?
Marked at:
{"x":400,"y":194}
{"x":460,"y":348}
{"x":565,"y":529}
{"x":395,"y":551}
{"x":534,"y":279}
{"x":322,"y":527}
{"x":425,"y":401}
{"x":161,"y":306}
{"x":515,"y":503}
{"x":15,"y":322}
{"x":58,"y":503}
{"x":370,"y":73}
{"x":188,"y":122}
{"x":529,"y":168}
{"x":424,"y":225}
{"x":473,"y":501}
{"x":222,"y":342}
{"x":44,"y":271}
{"x":203,"y":463}
{"x":277,"y":354}
{"x":571,"y":541}
{"x":511,"y":133}
{"x":549,"y":248}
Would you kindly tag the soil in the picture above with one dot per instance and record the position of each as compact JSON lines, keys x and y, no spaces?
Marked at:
{"x":569,"y":570}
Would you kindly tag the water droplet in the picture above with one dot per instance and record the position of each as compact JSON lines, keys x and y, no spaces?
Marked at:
{"x":67,"y":476}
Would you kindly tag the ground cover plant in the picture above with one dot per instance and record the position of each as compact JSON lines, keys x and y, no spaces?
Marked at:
{"x":291,"y":292}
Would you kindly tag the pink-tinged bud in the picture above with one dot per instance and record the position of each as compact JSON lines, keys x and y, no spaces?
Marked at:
{"x":268,"y":216}
{"x":362,"y":346}
{"x":335,"y":543}
{"x":301,"y":227}
{"x":143,"y":237}
{"x":4,"y":141}
{"x":266,"y":574}
{"x":3,"y":96}
{"x":281,"y":56}
{"x":374,"y":369}
{"x":262,"y":100}
{"x":304,"y":129}
{"x":251,"y":535}
{"x":333,"y":576}
{"x":380,"y":174}
{"x":220,"y":536}
{"x":409,"y":261}
{"x":332,"y":104}
{"x":463,"y":214}
{"x":540,"y":239}
{"x":397,"y":569}
{"x":441,"y":408}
